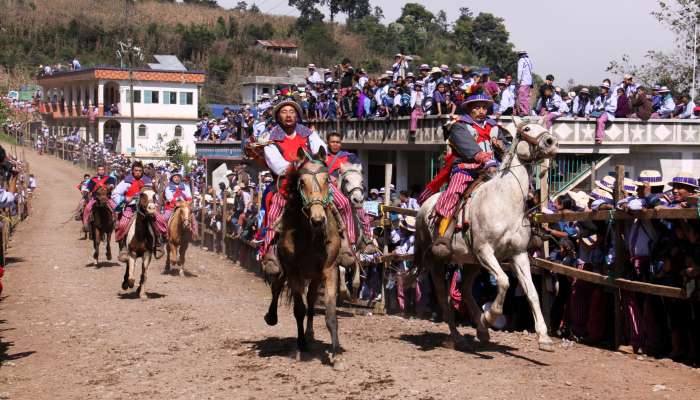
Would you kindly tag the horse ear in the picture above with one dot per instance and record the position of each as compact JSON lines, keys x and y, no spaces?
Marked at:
{"x":301,"y":154}
{"x":517,"y":121}
{"x":321,"y":155}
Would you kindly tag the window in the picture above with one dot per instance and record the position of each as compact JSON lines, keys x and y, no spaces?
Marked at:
{"x":169,"y":97}
{"x":150,"y":96}
{"x":142,"y":130}
{"x":186,"y":98}
{"x":178,"y":131}
{"x":137,"y":96}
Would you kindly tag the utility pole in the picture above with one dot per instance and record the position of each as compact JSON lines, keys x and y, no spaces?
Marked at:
{"x":695,"y":57}
{"x":130,"y":52}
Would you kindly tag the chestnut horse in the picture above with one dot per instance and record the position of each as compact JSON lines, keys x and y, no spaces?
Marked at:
{"x":101,"y":223}
{"x":179,"y":236}
{"x":140,"y":239}
{"x":308,"y":247}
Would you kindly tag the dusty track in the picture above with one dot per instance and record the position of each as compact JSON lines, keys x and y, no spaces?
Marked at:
{"x":67,"y":332}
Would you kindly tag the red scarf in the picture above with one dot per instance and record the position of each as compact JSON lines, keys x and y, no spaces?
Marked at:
{"x":135,"y":187}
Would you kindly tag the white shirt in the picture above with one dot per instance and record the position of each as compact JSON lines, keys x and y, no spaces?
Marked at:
{"x":278,"y":165}
{"x":507,"y":99}
{"x":411,"y":204}
{"x":7,"y":199}
{"x":525,"y":71}
{"x":314,"y":78}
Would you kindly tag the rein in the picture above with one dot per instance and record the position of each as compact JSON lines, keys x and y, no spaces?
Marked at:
{"x":353,"y":190}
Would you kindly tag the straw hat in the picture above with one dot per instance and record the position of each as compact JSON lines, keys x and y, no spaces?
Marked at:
{"x":650,"y":176}
{"x":478,"y":98}
{"x":408,"y":223}
{"x":590,"y":240}
{"x":684,"y":179}
{"x":600,"y":194}
{"x":436,"y":70}
{"x":629,"y":186}
{"x":607,"y":183}
{"x":580,"y":198}
{"x":605,"y":85}
{"x":663,"y":89}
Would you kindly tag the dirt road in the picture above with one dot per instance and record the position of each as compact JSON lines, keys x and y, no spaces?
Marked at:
{"x":68,"y":332}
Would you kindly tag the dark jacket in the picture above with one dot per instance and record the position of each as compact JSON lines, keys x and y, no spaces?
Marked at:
{"x":462,"y":141}
{"x":641,"y":105}
{"x":623,"y":107}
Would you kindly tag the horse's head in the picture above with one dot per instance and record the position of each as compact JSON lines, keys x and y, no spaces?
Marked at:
{"x":534,"y":142}
{"x":352,"y":183}
{"x":102,"y":195}
{"x":147,"y":201}
{"x":185,"y":212}
{"x":313,"y":187}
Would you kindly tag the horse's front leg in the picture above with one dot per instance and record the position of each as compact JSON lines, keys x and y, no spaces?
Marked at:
{"x":311,"y":297}
{"x":299,"y":314}
{"x":488,"y":260}
{"x":331,"y":296}
{"x":145,"y":262}
{"x":108,"y":246}
{"x":129,"y":273}
{"x":96,"y":246}
{"x":184,"y":243}
{"x":276,"y":287}
{"x":521,"y":263}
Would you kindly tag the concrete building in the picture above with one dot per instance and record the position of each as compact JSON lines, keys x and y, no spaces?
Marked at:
{"x":279,"y":46}
{"x":95,"y":102}
{"x":253,"y":87}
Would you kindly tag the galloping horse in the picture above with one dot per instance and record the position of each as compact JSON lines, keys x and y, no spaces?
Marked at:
{"x":179,"y":236}
{"x":101,"y":223}
{"x":498,"y":230}
{"x":140,"y":239}
{"x":308,"y":247}
{"x":352,"y":183}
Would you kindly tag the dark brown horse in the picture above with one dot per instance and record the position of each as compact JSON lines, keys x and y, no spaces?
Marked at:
{"x":140,"y":240}
{"x":307,"y":250}
{"x":101,"y":223}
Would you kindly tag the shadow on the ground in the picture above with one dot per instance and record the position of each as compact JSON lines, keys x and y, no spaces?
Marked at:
{"x":5,"y":347}
{"x":13,"y":260}
{"x":176,"y":272}
{"x":103,"y":264}
{"x":135,"y":295}
{"x":287,"y":347}
{"x":428,"y":341}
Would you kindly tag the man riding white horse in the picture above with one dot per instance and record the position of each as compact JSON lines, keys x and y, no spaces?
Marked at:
{"x":335,"y":159}
{"x":175,"y":192}
{"x":101,"y":180}
{"x":125,"y":196}
{"x":286,"y":138}
{"x":472,"y":139}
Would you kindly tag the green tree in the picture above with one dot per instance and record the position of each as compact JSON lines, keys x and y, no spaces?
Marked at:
{"x":174,"y":152}
{"x":219,"y":68}
{"x":318,"y":43}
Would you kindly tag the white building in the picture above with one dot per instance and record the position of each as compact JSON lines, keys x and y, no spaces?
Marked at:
{"x":96,"y":103}
{"x":253,"y":87}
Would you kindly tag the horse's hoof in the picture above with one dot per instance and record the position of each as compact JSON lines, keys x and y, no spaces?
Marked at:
{"x":131,"y":282}
{"x":109,"y":256}
{"x":123,"y":257}
{"x":181,"y":272}
{"x":125,"y":285}
{"x":338,"y":364}
{"x":483,"y":336}
{"x":271,"y":319}
{"x":547,"y":346}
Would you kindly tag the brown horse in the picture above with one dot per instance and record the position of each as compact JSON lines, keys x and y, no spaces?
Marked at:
{"x":101,"y":223}
{"x":308,"y":247}
{"x":179,"y":236}
{"x":140,"y":240}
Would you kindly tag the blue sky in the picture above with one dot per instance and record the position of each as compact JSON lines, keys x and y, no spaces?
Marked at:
{"x":568,"y":38}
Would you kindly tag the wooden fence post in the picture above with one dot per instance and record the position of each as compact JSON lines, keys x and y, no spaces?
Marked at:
{"x":202,"y":215}
{"x":620,"y":259}
{"x":386,"y":219}
{"x":545,"y":277}
{"x":224,"y":221}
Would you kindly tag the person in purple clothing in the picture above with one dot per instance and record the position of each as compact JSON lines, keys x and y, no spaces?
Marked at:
{"x":440,"y":100}
{"x":623,"y":104}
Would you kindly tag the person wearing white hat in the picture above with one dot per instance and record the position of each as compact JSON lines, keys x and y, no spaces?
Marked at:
{"x":604,"y":109}
{"x":667,"y":106}
{"x":550,"y":105}
{"x":582,"y":105}
{"x":628,"y":85}
{"x":607,"y":183}
{"x":400,"y":66}
{"x":684,"y":186}
{"x":313,"y":76}
{"x":525,"y":82}
{"x":507,"y":102}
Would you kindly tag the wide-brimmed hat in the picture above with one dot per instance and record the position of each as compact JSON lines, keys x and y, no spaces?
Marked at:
{"x":684,"y":179}
{"x":502,"y":81}
{"x":605,"y":85}
{"x":424,"y":67}
{"x":311,"y":66}
{"x":436,"y":70}
{"x":584,"y":90}
{"x":600,"y":194}
{"x":580,"y":198}
{"x":629,"y":185}
{"x":236,"y":189}
{"x":590,"y":240}
{"x":229,"y":172}
{"x":284,"y":103}
{"x":477,"y":98}
{"x":408,"y":223}
{"x":607,"y":183}
{"x":650,"y":176}
{"x":663,"y":89}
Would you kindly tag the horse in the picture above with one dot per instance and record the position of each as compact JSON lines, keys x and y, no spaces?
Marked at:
{"x":179,"y":236}
{"x":352,"y":183}
{"x":101,"y":223}
{"x":308,"y":249}
{"x":498,"y":230}
{"x":140,"y":239}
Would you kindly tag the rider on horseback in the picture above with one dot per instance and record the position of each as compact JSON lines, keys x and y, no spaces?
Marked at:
{"x":101,"y":180}
{"x":472,"y":139}
{"x":125,"y":197}
{"x":286,"y":138}
{"x":175,"y":192}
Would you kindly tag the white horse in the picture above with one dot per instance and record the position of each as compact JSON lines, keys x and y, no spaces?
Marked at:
{"x":351,"y":182}
{"x":499,"y":230}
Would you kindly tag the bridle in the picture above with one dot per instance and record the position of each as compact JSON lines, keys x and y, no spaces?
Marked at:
{"x":344,"y":175}
{"x":305,"y":201}
{"x":521,"y":131}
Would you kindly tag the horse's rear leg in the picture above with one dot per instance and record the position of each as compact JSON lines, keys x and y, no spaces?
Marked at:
{"x":299,"y":314}
{"x":183,"y":249}
{"x":437,"y":272}
{"x":469,"y":274}
{"x":169,"y":258}
{"x":330,"y":298}
{"x":108,"y":246}
{"x":96,"y":245}
{"x":271,"y":316}
{"x":311,"y":297}
{"x":521,"y":263}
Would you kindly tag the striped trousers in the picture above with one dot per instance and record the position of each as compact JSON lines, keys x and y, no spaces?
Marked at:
{"x":448,"y":200}
{"x":278,"y":202}
{"x":125,"y":222}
